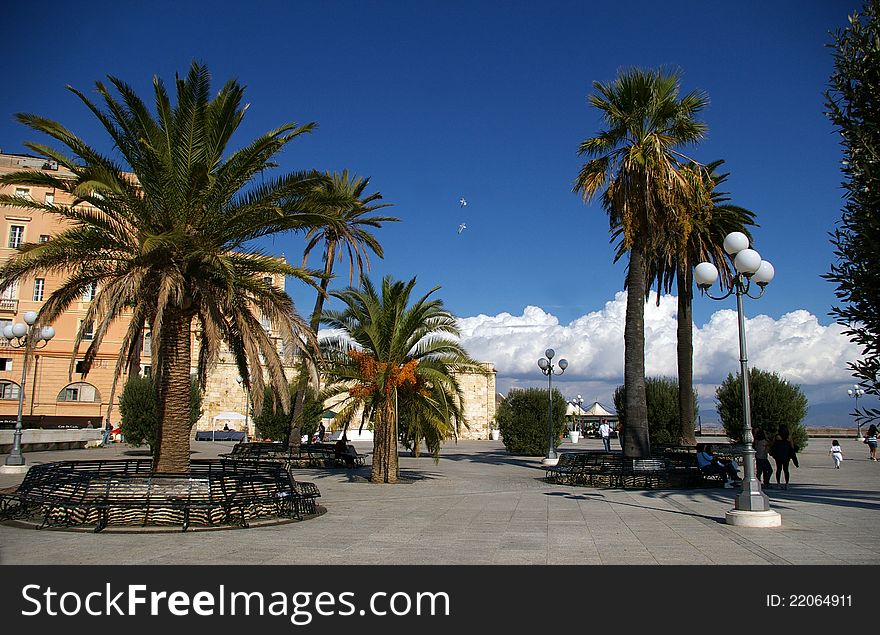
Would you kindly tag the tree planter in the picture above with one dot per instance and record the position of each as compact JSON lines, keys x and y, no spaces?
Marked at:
{"x":494,"y":434}
{"x":573,"y":436}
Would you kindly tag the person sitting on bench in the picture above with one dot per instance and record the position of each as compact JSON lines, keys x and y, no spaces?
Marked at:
{"x":344,"y":452}
{"x":710,"y":464}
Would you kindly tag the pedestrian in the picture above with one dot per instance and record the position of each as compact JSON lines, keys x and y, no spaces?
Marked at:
{"x":605,"y":433}
{"x":765,"y":470}
{"x":871,"y":440}
{"x":105,"y":433}
{"x":321,"y":432}
{"x":783,"y":452}
{"x":836,"y":453}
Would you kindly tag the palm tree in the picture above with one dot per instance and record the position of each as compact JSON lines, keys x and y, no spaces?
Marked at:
{"x":348,"y":215}
{"x":166,"y":243}
{"x":635,"y":160}
{"x":394,"y":357}
{"x":703,"y":222}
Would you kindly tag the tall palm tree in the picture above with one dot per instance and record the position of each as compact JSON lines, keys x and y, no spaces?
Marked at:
{"x":704,"y":220}
{"x":165,"y":239}
{"x":348,"y":216}
{"x":635,"y":160}
{"x":393,"y":357}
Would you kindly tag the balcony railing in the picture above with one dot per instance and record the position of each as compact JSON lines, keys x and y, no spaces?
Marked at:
{"x":8,"y":305}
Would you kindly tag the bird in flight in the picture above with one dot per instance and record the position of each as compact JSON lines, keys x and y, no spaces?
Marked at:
{"x":462,"y":202}
{"x":461,"y":228}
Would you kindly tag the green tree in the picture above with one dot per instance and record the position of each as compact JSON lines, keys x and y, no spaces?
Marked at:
{"x":704,"y":220}
{"x":139,"y":410}
{"x":167,"y":243}
{"x":853,"y":109}
{"x":428,"y":413}
{"x":274,"y":423}
{"x":387,"y":347}
{"x":522,"y":420}
{"x":635,"y":160}
{"x":344,"y":234}
{"x":662,"y":396}
{"x":773,"y":402}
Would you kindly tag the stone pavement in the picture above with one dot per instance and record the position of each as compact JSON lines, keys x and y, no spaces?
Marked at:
{"x":479,"y":505}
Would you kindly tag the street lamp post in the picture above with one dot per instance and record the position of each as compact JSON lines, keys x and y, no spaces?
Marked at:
{"x":751,"y":507}
{"x":547,"y":367}
{"x":247,"y":400}
{"x":28,"y":336}
{"x":577,"y":402}
{"x":856,"y":392}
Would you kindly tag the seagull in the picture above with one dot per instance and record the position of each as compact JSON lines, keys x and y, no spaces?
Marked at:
{"x":462,"y":202}
{"x":462,"y":227}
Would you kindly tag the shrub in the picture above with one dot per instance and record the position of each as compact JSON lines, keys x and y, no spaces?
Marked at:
{"x":773,"y":400}
{"x":139,"y":410}
{"x":663,"y":415}
{"x":273,"y":423}
{"x":522,"y":419}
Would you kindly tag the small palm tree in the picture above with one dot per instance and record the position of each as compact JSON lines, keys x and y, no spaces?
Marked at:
{"x":347,"y":218}
{"x":165,"y":240}
{"x":703,"y":222}
{"x":635,"y":160}
{"x":391,"y":358}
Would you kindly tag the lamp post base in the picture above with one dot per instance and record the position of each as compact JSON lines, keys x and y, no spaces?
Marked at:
{"x":740,"y":518}
{"x":549,"y":461}
{"x":14,"y":469}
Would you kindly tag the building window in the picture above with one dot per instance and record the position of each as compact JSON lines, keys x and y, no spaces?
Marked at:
{"x":148,"y":343}
{"x":9,"y":390}
{"x":88,"y":330}
{"x":266,"y":322}
{"x":79,"y":391}
{"x":11,"y":292}
{"x":39,"y":286}
{"x":267,"y":280}
{"x":5,"y":363}
{"x":23,"y":192}
{"x":50,"y":198}
{"x":90,"y":293}
{"x":146,"y":371}
{"x":16,"y":235}
{"x":44,"y":238}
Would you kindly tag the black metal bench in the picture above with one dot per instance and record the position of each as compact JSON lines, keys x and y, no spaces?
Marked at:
{"x":213,"y":492}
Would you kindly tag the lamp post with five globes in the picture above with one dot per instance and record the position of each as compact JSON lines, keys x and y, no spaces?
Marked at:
{"x":547,"y":367}
{"x":856,"y":392}
{"x":29,"y":337}
{"x":751,"y":507}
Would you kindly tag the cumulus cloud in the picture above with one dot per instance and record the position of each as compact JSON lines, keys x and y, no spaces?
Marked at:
{"x":796,"y":346}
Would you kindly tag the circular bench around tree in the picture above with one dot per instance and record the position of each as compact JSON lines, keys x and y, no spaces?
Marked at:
{"x":214,"y":492}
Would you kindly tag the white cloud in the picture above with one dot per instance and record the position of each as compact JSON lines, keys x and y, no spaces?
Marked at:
{"x":796,"y":346}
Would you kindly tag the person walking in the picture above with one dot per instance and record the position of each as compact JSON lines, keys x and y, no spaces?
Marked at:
{"x":605,"y":433}
{"x":836,"y":453}
{"x":765,"y":470}
{"x":783,"y":452}
{"x":871,"y":440}
{"x":105,"y":434}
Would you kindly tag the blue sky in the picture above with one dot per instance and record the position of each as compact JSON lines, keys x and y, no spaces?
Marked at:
{"x":439,"y":100}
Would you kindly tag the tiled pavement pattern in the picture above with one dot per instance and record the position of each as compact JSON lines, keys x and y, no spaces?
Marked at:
{"x":479,"y":505}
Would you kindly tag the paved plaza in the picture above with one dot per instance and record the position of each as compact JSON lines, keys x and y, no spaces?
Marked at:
{"x":480,"y":505}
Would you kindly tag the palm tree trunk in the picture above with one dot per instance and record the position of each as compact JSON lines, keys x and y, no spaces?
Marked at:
{"x":385,"y":466}
{"x":636,"y":443}
{"x":314,"y":324}
{"x":172,"y":451}
{"x":686,"y":404}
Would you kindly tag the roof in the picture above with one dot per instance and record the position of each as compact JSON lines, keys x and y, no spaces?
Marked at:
{"x":596,"y":410}
{"x":230,"y":416}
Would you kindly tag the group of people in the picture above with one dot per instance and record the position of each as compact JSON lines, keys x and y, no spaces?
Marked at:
{"x":783,"y":452}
